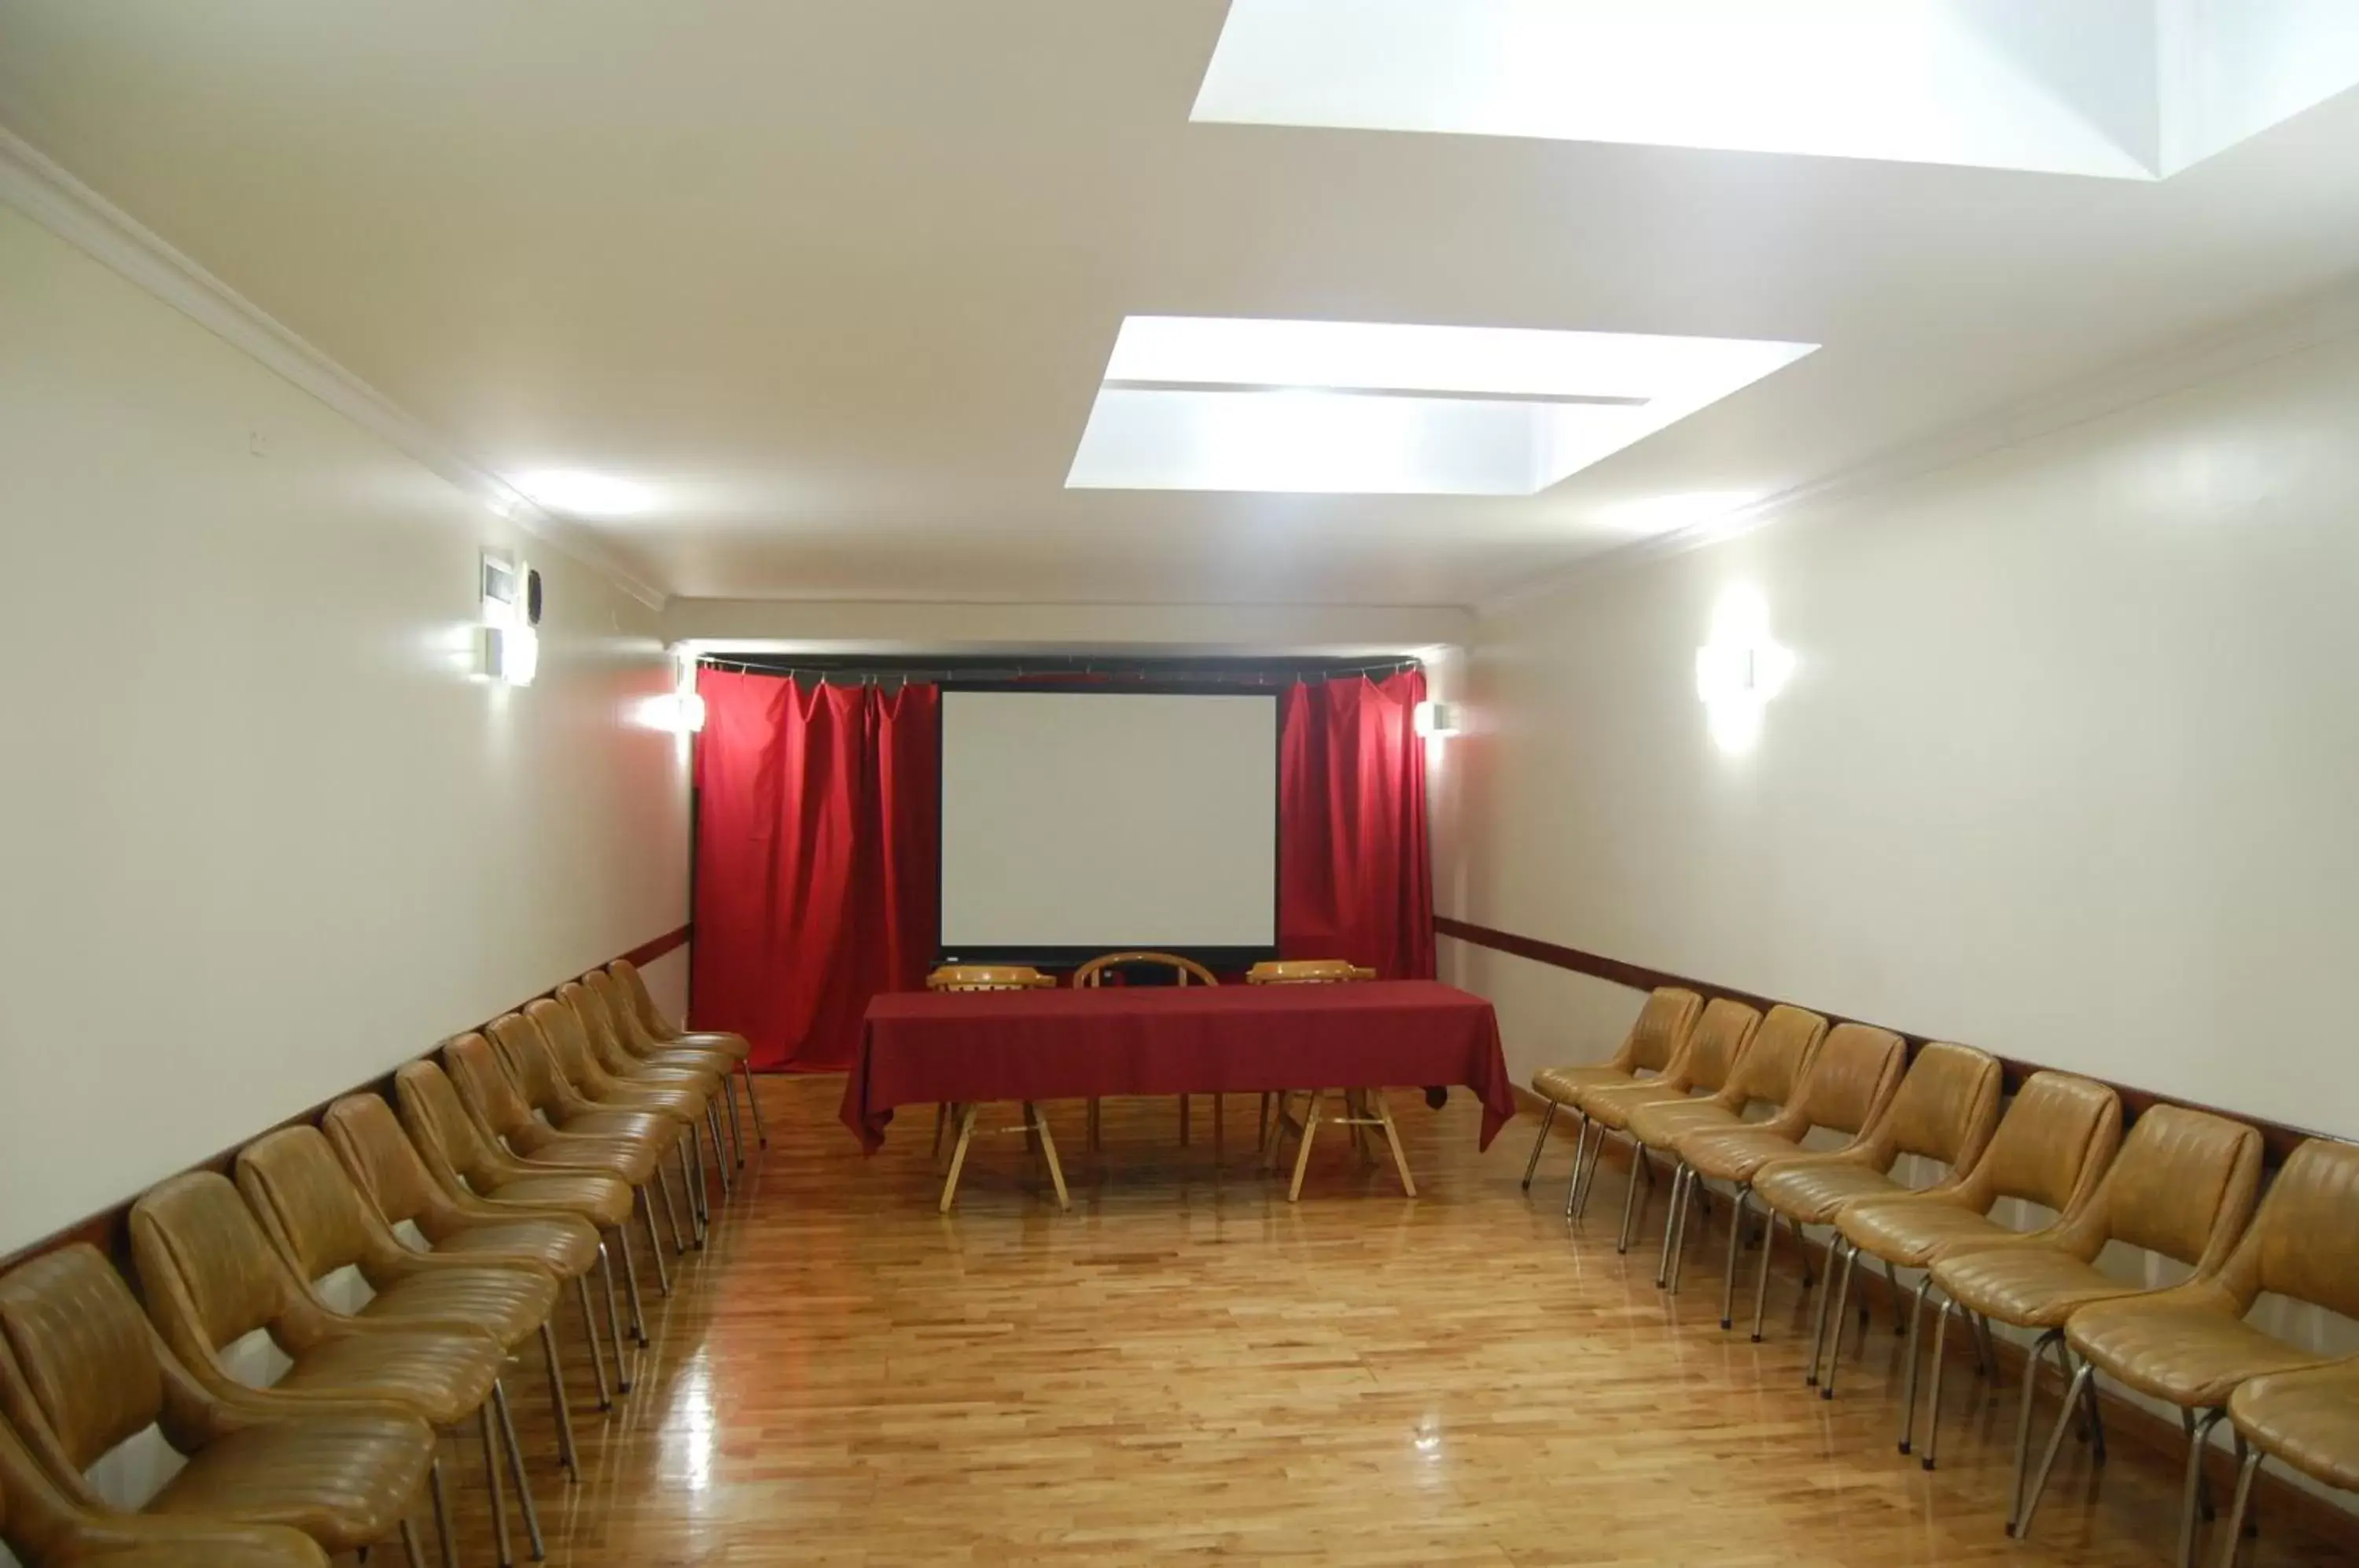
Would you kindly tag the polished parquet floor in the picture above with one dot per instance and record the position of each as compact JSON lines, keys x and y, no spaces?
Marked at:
{"x":1186,"y":1367}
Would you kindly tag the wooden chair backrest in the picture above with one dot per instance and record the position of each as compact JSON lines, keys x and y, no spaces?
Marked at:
{"x":1184,"y":971}
{"x":988,"y":978}
{"x":1308,"y":972}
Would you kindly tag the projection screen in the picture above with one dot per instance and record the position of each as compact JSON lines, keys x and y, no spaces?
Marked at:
{"x":1081,"y":823}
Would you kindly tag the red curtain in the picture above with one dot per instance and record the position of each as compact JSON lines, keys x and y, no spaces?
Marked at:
{"x":816,"y":857}
{"x":1354,"y":879}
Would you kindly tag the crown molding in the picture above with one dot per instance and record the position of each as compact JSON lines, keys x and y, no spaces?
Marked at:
{"x":2309,"y":323}
{"x":37,"y":186}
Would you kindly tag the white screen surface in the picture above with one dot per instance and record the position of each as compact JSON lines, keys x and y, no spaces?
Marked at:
{"x":1109,"y":820}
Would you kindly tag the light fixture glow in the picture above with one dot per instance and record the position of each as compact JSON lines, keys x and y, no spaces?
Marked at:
{"x":1371,"y":407}
{"x":1740,"y":670}
{"x":509,"y":654}
{"x":579,"y":492}
{"x":1434,"y":720}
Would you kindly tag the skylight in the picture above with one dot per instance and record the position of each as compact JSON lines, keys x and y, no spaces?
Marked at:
{"x":1210,"y":403}
{"x":2122,"y":89}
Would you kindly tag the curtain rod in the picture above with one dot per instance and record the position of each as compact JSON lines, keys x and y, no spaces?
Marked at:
{"x":1017,"y":672}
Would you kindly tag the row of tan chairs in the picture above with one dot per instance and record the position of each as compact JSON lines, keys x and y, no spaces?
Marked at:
{"x":500,"y":1175}
{"x":1810,"y":1122}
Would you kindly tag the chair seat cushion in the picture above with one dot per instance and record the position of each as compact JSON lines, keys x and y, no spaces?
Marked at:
{"x":2308,"y":1419}
{"x":1612,"y":1106}
{"x":567,"y":1248}
{"x":507,"y":1304}
{"x":629,"y":1160}
{"x":604,"y":1200}
{"x":442,"y":1377}
{"x":733,"y":1046}
{"x":676,"y":1097}
{"x":1565,"y":1085}
{"x":2030,"y":1287}
{"x":1662,"y":1123}
{"x":2190,"y":1356}
{"x":344,"y":1481}
{"x":716,"y":1064}
{"x":1912,"y":1232}
{"x":1815,"y":1191}
{"x":653,"y":1128}
{"x":1735,"y":1154}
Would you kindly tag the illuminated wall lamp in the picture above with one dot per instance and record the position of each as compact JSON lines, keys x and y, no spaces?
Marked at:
{"x":511,"y":654}
{"x":681,"y":713}
{"x":1736,"y":675}
{"x":1433,"y":720}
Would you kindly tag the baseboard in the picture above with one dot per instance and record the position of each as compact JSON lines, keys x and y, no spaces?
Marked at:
{"x":2274,"y":1495}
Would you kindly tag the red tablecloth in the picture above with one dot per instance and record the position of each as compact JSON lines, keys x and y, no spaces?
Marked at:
{"x":929,"y":1047}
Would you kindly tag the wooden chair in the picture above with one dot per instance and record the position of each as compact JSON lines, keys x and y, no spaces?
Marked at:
{"x":993,"y":977}
{"x":1362,"y":1108}
{"x":1184,"y":972}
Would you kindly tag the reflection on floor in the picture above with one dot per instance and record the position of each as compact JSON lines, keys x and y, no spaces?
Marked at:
{"x":1186,"y":1368}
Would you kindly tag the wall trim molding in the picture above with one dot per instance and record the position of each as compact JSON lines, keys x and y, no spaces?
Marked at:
{"x":2278,"y":1138}
{"x":2312,"y":321}
{"x":108,"y":1230}
{"x":42,"y":189}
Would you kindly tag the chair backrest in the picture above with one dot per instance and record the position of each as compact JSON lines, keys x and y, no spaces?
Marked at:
{"x":2184,"y":1185}
{"x":1852,"y":1079}
{"x":1184,"y":971}
{"x":446,"y":1134}
{"x":630,"y":1035}
{"x":79,"y":1370}
{"x":632,"y":988}
{"x":1724,"y":1032}
{"x":501,"y":1106}
{"x":560,"y":1030}
{"x":516,"y":1041}
{"x":1659,"y":1030}
{"x":988,"y":978}
{"x":2052,"y":1144}
{"x":1944,"y":1109}
{"x":37,"y":1517}
{"x":380,"y":1159}
{"x":308,"y":1205}
{"x":2304,"y":1243}
{"x":1307,"y":972}
{"x":597,"y":1028}
{"x":1778,"y":1061}
{"x":209,"y":1273}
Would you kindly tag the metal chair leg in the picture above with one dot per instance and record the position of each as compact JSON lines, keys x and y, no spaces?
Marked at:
{"x":1548,"y":1120}
{"x":614,"y":1317}
{"x":590,"y":1332}
{"x":754,"y":1104}
{"x":515,"y":1466}
{"x":1916,"y":1332}
{"x":631,"y":1283}
{"x":409,"y":1551}
{"x":2072,"y":1397}
{"x":567,"y":1454}
{"x":440,"y":1491}
{"x":1735,"y":1242}
{"x":2248,"y":1464}
{"x":1761,"y":1284}
{"x":2039,"y":1348}
{"x":1933,"y":1395}
{"x":1835,"y":1244}
{"x":1640,"y":1168}
{"x":1675,"y":1229}
{"x":498,"y":1487}
{"x":2199,"y":1438}
{"x":655,"y":1243}
{"x":1841,"y":1287}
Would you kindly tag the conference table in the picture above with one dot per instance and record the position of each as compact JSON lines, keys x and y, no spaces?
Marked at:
{"x":965,"y":1048}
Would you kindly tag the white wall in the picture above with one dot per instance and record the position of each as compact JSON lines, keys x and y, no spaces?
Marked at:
{"x":2065,"y":770}
{"x":260,"y":837}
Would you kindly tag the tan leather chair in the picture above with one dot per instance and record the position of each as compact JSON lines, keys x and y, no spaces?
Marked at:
{"x":2051,"y":1147}
{"x":1770,"y":1074}
{"x":1655,"y":1037}
{"x":1184,"y":972}
{"x":386,"y":1166}
{"x":468,"y":1162}
{"x":82,"y":1371}
{"x":1944,"y":1111}
{"x":211,"y":1278}
{"x":655,"y":1034}
{"x":1714,"y":1046}
{"x":2183,"y":1186}
{"x":2191,"y":1346}
{"x":1851,"y":1080}
{"x":2305,"y":1420}
{"x":44,"y":1527}
{"x":684,"y":1100}
{"x":503,"y":1109}
{"x":322,"y":1222}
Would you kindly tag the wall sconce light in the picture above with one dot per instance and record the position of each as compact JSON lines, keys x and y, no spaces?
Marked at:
{"x":1740,"y":670}
{"x":508,"y":653}
{"x":508,"y":643}
{"x":1435,"y":719}
{"x":680,"y":710}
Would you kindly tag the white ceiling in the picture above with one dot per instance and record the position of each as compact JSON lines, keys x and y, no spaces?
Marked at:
{"x":839,"y":280}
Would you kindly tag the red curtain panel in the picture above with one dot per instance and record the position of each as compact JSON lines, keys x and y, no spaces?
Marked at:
{"x":816,"y":859}
{"x":1354,"y":878}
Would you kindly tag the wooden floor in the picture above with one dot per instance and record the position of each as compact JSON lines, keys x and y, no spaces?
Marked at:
{"x":1186,"y":1368}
